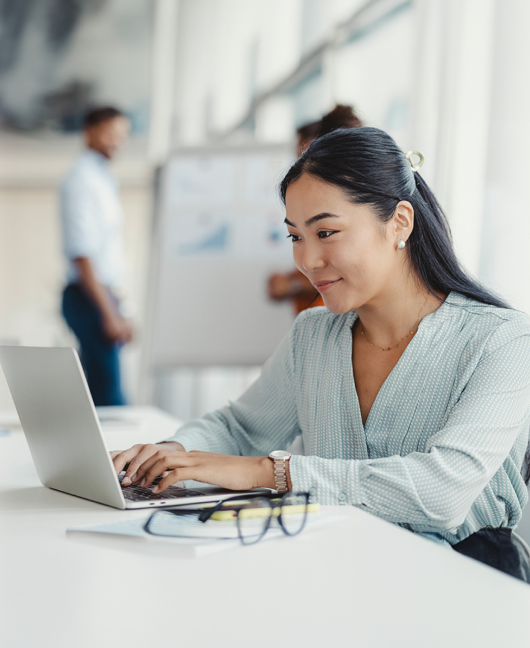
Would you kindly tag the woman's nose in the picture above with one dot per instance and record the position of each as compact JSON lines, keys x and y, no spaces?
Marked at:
{"x":311,"y":258}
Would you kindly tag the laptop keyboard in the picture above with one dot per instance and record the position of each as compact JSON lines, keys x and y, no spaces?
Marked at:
{"x":139,"y":494}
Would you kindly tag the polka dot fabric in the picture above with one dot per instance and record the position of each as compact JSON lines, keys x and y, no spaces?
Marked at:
{"x":442,"y":449}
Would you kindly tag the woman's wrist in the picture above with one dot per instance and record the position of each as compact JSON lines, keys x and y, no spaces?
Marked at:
{"x":265,"y":473}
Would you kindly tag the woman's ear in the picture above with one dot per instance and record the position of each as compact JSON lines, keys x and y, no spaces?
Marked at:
{"x":403,"y":221}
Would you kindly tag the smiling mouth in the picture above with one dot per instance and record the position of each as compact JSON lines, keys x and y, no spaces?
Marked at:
{"x":322,"y":286}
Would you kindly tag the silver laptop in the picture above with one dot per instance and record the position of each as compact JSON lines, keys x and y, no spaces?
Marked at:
{"x":64,"y":435}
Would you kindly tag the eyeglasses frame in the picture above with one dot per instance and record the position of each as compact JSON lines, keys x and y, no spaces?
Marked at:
{"x":206,"y":514}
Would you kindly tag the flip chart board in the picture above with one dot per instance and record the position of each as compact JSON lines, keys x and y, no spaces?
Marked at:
{"x":219,"y":233}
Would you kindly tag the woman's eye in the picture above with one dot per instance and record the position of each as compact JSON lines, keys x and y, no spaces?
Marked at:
{"x":325,"y":234}
{"x":293,"y":237}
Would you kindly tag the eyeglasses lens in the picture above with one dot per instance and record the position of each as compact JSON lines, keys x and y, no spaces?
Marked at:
{"x":293,"y":511}
{"x":164,"y":523}
{"x":253,"y":520}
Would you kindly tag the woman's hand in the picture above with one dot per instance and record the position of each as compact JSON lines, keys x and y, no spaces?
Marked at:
{"x":227,"y":471}
{"x":134,"y":457}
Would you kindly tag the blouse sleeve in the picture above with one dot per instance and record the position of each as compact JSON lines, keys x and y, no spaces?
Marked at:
{"x":438,"y":487}
{"x":263,"y":419}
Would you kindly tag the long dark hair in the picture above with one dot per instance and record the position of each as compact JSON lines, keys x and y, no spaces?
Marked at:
{"x":372,"y":170}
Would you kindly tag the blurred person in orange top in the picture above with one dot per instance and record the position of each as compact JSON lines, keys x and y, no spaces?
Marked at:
{"x":294,"y":285}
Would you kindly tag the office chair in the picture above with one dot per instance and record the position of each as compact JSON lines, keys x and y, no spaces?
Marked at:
{"x":524,"y":554}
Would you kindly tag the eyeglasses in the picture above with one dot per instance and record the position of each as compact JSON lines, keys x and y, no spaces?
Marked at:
{"x":253,"y":515}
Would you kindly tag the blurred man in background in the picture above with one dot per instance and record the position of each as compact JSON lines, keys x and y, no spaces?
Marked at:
{"x":294,"y":285}
{"x":92,"y":222}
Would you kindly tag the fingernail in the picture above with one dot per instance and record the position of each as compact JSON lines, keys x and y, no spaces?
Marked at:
{"x":134,"y":477}
{"x":142,"y":483}
{"x":154,"y":489}
{"x":125,"y":481}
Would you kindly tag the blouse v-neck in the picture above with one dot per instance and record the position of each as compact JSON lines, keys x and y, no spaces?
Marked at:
{"x":397,"y":370}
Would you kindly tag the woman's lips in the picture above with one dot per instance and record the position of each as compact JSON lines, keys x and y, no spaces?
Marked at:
{"x":322,"y":286}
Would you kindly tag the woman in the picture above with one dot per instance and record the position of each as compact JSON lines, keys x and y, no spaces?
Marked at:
{"x":411,"y":389}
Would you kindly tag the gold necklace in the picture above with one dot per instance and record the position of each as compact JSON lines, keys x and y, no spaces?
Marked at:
{"x":411,"y":332}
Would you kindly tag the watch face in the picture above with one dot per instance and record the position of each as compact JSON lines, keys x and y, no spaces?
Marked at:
{"x":280,"y":454}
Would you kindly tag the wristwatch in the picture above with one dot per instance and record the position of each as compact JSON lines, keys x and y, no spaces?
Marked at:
{"x":280,"y":459}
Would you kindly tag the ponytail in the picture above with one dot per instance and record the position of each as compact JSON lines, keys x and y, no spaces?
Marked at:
{"x":432,"y":254}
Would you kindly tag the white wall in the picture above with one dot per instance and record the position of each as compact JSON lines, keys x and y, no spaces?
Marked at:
{"x":504,"y":253}
{"x":230,"y":51}
{"x":375,"y":75}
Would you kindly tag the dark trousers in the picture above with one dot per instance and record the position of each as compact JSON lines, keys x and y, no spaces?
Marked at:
{"x":99,"y":357}
{"x":496,"y":548}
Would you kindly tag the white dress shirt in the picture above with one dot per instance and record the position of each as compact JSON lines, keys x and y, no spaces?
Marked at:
{"x":92,"y":219}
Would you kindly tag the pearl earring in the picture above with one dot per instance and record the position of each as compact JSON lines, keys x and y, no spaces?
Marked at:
{"x":401,"y":245}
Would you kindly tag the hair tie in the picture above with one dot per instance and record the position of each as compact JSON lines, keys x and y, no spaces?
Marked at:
{"x":415,"y":166}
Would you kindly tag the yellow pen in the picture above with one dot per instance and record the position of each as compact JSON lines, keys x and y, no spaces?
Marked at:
{"x":231,"y":514}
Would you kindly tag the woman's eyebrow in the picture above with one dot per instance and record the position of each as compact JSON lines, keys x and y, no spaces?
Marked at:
{"x":313,"y":219}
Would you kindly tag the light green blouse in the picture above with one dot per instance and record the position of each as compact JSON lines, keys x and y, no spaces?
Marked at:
{"x":442,"y":448}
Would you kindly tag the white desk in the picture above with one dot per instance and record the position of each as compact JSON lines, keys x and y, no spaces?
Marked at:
{"x":363,"y":582}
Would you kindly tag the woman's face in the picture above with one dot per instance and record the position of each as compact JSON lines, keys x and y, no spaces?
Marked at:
{"x":343,"y":249}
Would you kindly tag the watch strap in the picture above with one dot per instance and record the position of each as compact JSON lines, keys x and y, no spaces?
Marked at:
{"x":280,"y":475}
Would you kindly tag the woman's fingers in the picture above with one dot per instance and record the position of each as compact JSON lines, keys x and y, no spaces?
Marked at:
{"x":174,"y":476}
{"x":131,"y":476}
{"x":146,"y":465}
{"x":159,"y":463}
{"x":121,"y":458}
{"x":133,"y":458}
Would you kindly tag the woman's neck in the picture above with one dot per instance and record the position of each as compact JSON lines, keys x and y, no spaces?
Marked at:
{"x":396,"y":311}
